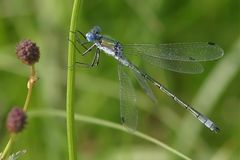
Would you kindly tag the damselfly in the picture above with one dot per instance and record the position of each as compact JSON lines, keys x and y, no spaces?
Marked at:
{"x":179,"y":57}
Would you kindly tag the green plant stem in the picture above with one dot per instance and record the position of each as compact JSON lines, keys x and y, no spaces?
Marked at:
{"x":87,"y":119}
{"x":71,"y":82}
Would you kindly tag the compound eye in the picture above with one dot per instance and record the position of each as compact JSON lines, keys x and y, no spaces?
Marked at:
{"x":90,"y":37}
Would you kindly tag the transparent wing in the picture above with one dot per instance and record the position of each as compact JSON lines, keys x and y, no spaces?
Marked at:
{"x":143,"y":83}
{"x":173,"y":65}
{"x":196,"y":51}
{"x":129,"y":114}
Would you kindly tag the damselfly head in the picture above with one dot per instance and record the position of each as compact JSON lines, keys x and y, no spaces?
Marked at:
{"x":94,"y":34}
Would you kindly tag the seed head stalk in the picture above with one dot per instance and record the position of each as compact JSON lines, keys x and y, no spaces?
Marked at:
{"x":31,"y":81}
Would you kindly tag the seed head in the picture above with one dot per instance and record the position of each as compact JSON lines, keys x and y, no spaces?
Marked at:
{"x":28,"y":52}
{"x":16,"y":120}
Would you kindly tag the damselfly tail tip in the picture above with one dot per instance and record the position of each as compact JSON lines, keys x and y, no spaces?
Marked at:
{"x":215,"y":129}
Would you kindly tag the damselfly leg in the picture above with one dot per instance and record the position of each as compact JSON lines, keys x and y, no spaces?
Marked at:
{"x":95,"y":60}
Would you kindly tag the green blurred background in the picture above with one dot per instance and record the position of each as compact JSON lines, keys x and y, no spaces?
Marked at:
{"x":215,"y":92}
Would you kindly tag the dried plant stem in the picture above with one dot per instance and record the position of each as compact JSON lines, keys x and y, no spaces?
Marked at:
{"x":31,"y":81}
{"x":8,"y":146}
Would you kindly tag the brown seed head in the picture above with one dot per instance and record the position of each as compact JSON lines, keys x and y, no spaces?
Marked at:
{"x":16,"y":120}
{"x":28,"y":52}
